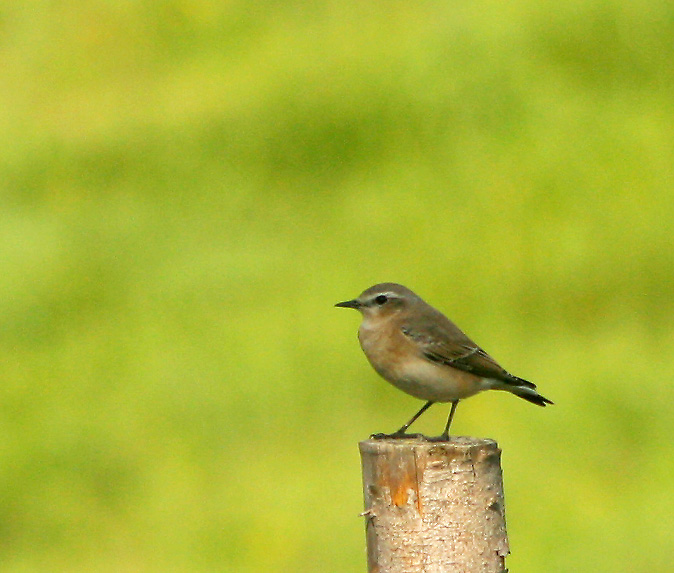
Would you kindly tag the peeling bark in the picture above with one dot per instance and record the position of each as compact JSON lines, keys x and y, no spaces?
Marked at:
{"x":434,"y":507}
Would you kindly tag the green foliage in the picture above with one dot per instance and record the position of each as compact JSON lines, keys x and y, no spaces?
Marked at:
{"x":187,"y":188}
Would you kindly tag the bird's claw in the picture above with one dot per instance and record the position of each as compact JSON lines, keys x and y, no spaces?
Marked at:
{"x":440,"y":438}
{"x":397,"y":436}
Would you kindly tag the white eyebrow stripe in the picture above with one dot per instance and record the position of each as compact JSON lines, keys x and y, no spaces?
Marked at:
{"x":386,"y":294}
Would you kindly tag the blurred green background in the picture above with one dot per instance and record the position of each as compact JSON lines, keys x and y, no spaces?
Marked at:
{"x":187,"y":187}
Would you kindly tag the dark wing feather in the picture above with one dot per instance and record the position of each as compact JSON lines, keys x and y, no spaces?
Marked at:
{"x":441,"y":341}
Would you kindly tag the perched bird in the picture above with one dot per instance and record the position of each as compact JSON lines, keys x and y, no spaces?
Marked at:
{"x":419,"y":350}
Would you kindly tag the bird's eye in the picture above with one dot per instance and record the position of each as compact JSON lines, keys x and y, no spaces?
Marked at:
{"x":381,"y":299}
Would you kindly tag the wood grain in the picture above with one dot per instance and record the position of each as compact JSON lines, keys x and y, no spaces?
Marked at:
{"x":434,"y":507}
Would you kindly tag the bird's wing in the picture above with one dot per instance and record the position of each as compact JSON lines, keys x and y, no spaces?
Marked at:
{"x":443,"y":342}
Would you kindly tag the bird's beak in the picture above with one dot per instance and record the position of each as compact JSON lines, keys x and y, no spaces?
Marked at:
{"x":349,"y":304}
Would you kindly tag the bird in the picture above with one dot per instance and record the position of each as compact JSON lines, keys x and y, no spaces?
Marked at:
{"x":420,"y":351}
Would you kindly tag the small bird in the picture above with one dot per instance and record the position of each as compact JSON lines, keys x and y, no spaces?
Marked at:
{"x":420,"y":351}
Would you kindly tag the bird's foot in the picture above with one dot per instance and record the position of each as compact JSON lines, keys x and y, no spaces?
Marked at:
{"x":440,"y":438}
{"x":397,"y":436}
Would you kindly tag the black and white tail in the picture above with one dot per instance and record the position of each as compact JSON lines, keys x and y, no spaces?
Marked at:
{"x":523,"y":389}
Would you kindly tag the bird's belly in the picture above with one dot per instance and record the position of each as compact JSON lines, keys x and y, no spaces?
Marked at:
{"x":429,"y":381}
{"x":398,"y":362}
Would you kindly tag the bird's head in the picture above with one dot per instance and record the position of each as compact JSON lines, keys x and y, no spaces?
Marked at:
{"x":382,"y":300}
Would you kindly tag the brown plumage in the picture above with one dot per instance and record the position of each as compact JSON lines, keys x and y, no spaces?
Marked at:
{"x":419,"y":350}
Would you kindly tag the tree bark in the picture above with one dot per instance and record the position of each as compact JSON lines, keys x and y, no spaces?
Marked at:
{"x":434,"y":506}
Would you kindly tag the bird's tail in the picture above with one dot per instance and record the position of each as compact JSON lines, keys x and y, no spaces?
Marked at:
{"x":524,"y":389}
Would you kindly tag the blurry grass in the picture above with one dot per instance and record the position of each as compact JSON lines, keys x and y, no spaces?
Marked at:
{"x":187,"y":189}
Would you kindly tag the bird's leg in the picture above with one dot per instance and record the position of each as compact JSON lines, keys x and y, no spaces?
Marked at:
{"x":444,"y":437}
{"x":401,"y":433}
{"x":425,"y":407}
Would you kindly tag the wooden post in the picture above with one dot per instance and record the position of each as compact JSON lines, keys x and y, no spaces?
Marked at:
{"x":434,"y":507}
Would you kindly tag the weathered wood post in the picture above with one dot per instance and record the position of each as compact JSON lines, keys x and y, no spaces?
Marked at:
{"x":434,"y":506}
